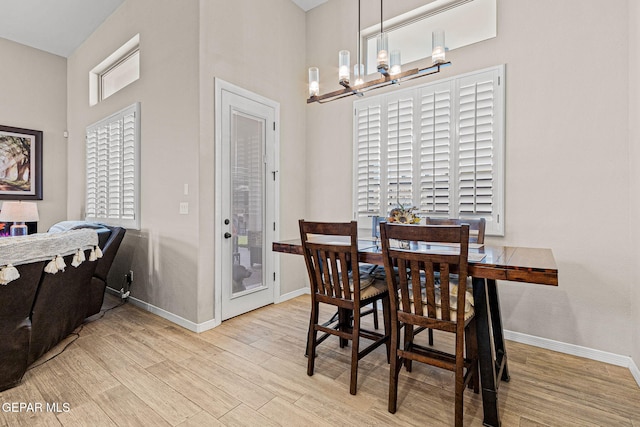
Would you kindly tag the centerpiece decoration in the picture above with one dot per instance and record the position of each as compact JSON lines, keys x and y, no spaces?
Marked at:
{"x":403,"y":215}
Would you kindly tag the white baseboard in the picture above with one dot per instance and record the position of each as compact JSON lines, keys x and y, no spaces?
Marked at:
{"x":635,"y":371}
{"x":181,"y":321}
{"x":293,"y":294}
{"x":187,"y":324}
{"x":576,"y":350}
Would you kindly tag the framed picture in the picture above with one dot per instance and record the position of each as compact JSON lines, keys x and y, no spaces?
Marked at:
{"x":20,"y":164}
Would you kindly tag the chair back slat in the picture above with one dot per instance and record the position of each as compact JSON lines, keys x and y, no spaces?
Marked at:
{"x":444,"y":292}
{"x":430,"y":290}
{"x":410,"y":272}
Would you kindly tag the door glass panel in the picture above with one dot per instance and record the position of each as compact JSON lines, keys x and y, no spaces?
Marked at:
{"x":247,"y":204}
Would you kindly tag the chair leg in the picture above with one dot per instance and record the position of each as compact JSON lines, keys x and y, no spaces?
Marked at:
{"x":312,"y":337}
{"x":459,"y":402}
{"x":386,"y":316}
{"x":459,"y":378}
{"x":431,"y":337}
{"x":394,"y":369}
{"x":374,"y":304}
{"x":355,"y":346}
{"x":408,"y":342}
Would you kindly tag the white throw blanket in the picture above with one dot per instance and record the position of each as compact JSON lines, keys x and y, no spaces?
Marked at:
{"x":46,"y":247}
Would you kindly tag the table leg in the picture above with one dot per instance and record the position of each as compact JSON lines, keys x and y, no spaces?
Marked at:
{"x":486,"y":353}
{"x":498,"y":333}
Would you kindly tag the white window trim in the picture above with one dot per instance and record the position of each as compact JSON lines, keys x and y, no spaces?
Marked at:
{"x":133,"y":223}
{"x":117,"y":57}
{"x":495,"y":221}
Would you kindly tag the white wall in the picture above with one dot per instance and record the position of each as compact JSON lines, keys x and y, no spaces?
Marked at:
{"x":567,"y":169}
{"x":33,"y":95}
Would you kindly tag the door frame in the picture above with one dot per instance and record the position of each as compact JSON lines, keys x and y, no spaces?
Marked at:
{"x":220,"y":86}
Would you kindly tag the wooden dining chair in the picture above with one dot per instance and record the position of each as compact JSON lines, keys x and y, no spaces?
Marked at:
{"x":331,"y":256}
{"x":477,"y":227}
{"x":417,"y":302}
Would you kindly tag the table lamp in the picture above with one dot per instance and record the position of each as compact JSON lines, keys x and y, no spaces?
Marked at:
{"x":19,"y":213}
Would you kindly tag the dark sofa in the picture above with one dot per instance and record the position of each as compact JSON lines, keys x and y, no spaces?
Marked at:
{"x":40,"y":309}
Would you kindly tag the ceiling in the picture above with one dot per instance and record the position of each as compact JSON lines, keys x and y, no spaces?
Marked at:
{"x":307,"y":5}
{"x":60,"y":26}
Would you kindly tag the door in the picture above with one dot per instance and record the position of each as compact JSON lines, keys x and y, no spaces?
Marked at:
{"x":246,"y":202}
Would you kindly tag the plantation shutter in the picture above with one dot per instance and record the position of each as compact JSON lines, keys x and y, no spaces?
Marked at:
{"x":435,"y":149}
{"x":399,"y":153}
{"x":111,"y":175}
{"x":438,"y":146}
{"x":368,"y":160}
{"x":476,"y":101}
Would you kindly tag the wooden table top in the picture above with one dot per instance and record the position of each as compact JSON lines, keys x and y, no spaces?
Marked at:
{"x":519,"y":264}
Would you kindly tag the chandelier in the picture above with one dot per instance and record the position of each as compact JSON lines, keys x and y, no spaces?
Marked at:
{"x":388,"y":64}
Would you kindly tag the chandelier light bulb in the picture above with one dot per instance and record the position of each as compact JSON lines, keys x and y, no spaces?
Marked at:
{"x":382,"y":43}
{"x":314,"y":81}
{"x":358,"y":74}
{"x":438,"y":47}
{"x":344,"y":67}
{"x":396,"y":66}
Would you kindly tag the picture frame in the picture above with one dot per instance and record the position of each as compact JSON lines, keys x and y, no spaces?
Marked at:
{"x":20,"y":164}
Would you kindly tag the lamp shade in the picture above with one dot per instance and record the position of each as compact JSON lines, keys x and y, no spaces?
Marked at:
{"x":19,"y":212}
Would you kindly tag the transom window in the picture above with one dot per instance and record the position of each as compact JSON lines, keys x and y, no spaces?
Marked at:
{"x":117,"y":71}
{"x":464,"y":21}
{"x":438,"y":147}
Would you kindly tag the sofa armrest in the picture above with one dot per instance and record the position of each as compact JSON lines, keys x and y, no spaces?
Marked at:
{"x":109,"y":252}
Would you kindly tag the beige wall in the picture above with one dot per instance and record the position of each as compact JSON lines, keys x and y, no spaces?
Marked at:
{"x":164,"y":253}
{"x":634,"y":163}
{"x":33,"y":95}
{"x":567,"y":164}
{"x":184,"y":45}
{"x":259,"y":46}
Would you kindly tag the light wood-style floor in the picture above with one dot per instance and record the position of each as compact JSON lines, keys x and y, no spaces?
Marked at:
{"x":132,"y":368}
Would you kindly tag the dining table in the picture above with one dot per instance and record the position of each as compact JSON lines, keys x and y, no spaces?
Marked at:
{"x":487,"y":263}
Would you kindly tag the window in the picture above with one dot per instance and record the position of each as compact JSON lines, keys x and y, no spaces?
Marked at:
{"x":464,"y":21}
{"x":120,"y":75}
{"x":439,"y":147}
{"x":120,"y":69}
{"x":112,"y":181}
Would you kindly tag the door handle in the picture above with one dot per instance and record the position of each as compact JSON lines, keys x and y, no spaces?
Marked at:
{"x":227,"y":235}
